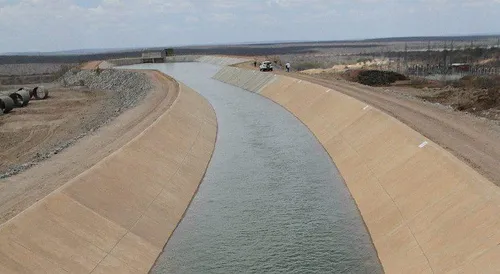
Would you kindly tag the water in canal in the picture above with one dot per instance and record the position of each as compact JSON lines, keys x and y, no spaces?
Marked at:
{"x":272,"y":201}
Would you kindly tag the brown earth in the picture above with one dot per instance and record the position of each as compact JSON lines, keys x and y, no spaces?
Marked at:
{"x":37,"y":129}
{"x":61,"y":117}
{"x":473,"y":139}
{"x":472,"y":94}
{"x":91,"y":65}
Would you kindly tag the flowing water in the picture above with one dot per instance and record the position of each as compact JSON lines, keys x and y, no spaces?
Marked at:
{"x":272,"y":201}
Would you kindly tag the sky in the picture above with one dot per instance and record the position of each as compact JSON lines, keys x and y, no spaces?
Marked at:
{"x":55,"y":25}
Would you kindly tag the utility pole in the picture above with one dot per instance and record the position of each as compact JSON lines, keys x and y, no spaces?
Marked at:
{"x":451,"y":52}
{"x":445,"y":54}
{"x":406,"y":58}
{"x":398,"y":66}
{"x":428,"y":53}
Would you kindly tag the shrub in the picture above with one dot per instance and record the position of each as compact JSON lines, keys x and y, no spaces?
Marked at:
{"x":307,"y":65}
{"x":379,"y":78}
{"x":364,"y":60}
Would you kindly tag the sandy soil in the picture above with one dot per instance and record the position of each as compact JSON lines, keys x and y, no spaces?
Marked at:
{"x":20,"y":191}
{"x":42,"y":126}
{"x":340,"y":68}
{"x":473,"y":139}
{"x":91,"y":65}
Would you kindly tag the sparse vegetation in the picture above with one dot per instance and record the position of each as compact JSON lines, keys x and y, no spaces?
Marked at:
{"x":374,"y":77}
{"x":364,"y":60}
{"x":307,"y":65}
{"x":21,"y":74}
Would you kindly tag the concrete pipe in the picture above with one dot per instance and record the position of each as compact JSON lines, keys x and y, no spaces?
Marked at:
{"x":6,"y":104}
{"x":29,"y":90}
{"x":40,"y":93}
{"x":21,"y":98}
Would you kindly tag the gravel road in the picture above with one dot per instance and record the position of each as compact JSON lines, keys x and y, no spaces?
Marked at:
{"x":474,"y":140}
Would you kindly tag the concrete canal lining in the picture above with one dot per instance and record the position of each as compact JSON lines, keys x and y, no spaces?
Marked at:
{"x":116,"y":216}
{"x":426,"y":211}
{"x":272,"y":201}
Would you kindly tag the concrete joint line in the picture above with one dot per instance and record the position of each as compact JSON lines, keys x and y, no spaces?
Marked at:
{"x":154,"y":199}
{"x":48,"y":259}
{"x":126,"y":145}
{"x":423,"y":144}
{"x":395,"y":204}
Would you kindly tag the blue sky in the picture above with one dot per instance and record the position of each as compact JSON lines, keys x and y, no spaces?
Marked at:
{"x":52,"y":25}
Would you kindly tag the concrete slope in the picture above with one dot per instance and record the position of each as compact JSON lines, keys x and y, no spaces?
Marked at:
{"x":250,"y":80}
{"x":427,"y":211}
{"x":117,"y":216}
{"x":220,"y":60}
{"x":181,"y":58}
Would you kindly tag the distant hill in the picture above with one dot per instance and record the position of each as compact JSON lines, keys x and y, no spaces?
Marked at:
{"x":433,"y":38}
{"x":261,"y":44}
{"x":246,"y":49}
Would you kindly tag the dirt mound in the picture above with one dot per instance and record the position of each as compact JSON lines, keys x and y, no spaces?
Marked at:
{"x":373,"y":77}
{"x":473,"y":94}
{"x":467,"y":100}
{"x":351,"y":74}
{"x":379,"y":77}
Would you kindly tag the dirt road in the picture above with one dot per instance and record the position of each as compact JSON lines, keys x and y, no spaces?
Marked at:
{"x":20,"y":191}
{"x":474,"y":140}
{"x":91,"y":65}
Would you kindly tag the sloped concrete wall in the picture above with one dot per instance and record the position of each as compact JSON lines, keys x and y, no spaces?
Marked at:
{"x":119,"y":62}
{"x":181,"y":58}
{"x":220,"y":60}
{"x":426,"y":211}
{"x":250,"y":80}
{"x":117,"y":216}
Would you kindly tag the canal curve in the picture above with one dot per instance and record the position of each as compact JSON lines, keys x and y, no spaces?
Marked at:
{"x":272,"y":201}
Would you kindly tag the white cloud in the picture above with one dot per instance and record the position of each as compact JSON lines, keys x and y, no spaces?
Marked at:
{"x":64,"y":24}
{"x":221,"y":17}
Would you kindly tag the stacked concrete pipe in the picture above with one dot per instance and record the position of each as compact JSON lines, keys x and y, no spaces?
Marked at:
{"x":40,"y":93}
{"x":6,"y":104}
{"x":21,"y":97}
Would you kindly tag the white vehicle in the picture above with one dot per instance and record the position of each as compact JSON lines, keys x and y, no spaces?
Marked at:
{"x":266,"y":66}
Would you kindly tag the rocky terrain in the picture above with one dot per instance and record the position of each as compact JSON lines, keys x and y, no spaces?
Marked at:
{"x":32,"y":69}
{"x":82,"y":102}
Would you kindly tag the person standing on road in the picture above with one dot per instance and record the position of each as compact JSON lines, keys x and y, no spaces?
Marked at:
{"x":287,"y":67}
{"x":255,"y":63}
